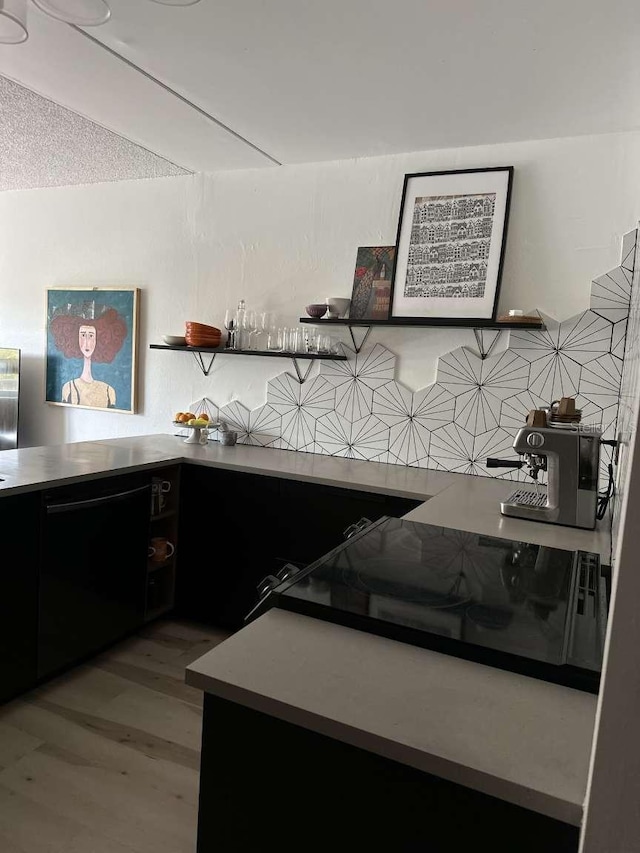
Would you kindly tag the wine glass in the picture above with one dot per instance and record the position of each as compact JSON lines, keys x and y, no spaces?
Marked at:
{"x":230,"y":326}
{"x":262,"y":330}
{"x":251,"y":327}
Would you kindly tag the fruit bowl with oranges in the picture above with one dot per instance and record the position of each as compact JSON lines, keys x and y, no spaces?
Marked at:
{"x":198,"y":424}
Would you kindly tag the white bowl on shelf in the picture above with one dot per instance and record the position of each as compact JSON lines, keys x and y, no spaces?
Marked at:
{"x":338,"y":307}
{"x":175,"y":340}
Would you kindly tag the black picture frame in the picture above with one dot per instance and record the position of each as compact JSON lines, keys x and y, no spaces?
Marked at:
{"x":454,"y":301}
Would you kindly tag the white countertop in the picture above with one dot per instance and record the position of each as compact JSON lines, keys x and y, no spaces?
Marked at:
{"x":463,"y":501}
{"x":517,"y":738}
{"x":34,"y":467}
{"x":473,"y":504}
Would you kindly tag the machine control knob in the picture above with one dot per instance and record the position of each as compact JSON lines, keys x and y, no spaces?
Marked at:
{"x":535,"y":439}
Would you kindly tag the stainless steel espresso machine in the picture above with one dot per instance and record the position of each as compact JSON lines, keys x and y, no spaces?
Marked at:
{"x":570,"y":456}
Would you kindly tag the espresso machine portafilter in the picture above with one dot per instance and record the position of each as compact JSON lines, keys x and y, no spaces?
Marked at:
{"x":571,"y":459}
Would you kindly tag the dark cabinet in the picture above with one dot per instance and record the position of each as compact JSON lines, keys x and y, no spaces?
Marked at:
{"x":236,"y":528}
{"x":77,"y":573}
{"x":19,"y":520}
{"x":230,"y":534}
{"x":317,"y":516}
{"x":353,"y":799}
{"x":93,"y":568}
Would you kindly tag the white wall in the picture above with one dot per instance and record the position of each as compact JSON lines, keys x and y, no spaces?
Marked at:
{"x":282,"y":238}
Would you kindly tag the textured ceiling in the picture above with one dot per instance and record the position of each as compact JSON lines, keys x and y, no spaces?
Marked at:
{"x":46,"y":145}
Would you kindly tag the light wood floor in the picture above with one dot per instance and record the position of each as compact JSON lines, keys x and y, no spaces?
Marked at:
{"x":105,"y":758}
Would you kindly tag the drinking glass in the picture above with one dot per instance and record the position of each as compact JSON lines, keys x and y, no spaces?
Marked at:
{"x":303,"y":338}
{"x":311,"y":339}
{"x":274,"y":341}
{"x":283,"y":339}
{"x":324,"y":344}
{"x":291,"y":339}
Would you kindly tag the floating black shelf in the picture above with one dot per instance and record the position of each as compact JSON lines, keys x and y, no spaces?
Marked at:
{"x":477,"y":327}
{"x":450,"y":323}
{"x":214,"y":351}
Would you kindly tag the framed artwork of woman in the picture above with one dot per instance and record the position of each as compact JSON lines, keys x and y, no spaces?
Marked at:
{"x":91,"y":347}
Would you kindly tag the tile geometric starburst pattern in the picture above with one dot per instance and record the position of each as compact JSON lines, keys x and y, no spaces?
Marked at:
{"x":481,"y":385}
{"x":261,"y":427}
{"x":366,"y":438}
{"x":618,"y":338}
{"x":455,"y":449}
{"x":300,"y":405}
{"x":514,"y":411}
{"x":600,"y":380}
{"x":557,"y":354}
{"x":357,"y":409}
{"x":611,"y":294}
{"x":411,"y":417}
{"x":356,"y":379}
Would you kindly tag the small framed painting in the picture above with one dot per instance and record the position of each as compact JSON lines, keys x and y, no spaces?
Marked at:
{"x":450,"y":247}
{"x":92,"y":337}
{"x":371,"y":294}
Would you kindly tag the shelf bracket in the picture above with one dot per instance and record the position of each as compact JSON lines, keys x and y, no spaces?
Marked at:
{"x":206,"y":369}
{"x":485,"y":348}
{"x":302,"y":378}
{"x":362,"y":342}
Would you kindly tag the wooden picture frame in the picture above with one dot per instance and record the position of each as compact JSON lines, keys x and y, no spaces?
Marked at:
{"x":450,"y":245}
{"x":91,"y":347}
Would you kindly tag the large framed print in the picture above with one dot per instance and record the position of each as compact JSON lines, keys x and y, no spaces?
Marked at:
{"x":92,"y":337}
{"x":450,"y":246}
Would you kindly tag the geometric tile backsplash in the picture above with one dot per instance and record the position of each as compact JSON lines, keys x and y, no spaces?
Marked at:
{"x":358,"y":409}
{"x":629,"y":397}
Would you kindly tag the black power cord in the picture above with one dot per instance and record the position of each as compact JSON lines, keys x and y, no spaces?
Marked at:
{"x":605,"y":497}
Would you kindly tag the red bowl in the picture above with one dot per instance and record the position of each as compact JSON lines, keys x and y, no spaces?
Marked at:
{"x":199,"y":341}
{"x":200,"y":327}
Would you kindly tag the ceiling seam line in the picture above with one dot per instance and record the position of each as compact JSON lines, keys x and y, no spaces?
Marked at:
{"x":175,"y":94}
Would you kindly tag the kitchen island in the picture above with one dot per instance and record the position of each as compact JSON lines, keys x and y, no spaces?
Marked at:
{"x":508,"y":737}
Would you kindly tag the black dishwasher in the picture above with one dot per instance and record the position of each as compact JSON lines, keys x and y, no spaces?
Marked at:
{"x":93,"y":568}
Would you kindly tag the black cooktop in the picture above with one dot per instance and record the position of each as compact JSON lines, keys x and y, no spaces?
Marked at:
{"x":526,"y":608}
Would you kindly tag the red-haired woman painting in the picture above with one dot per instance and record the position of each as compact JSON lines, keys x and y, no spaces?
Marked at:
{"x":98,"y":341}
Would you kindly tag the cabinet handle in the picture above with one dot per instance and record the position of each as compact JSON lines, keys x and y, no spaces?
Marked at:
{"x":91,"y":502}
